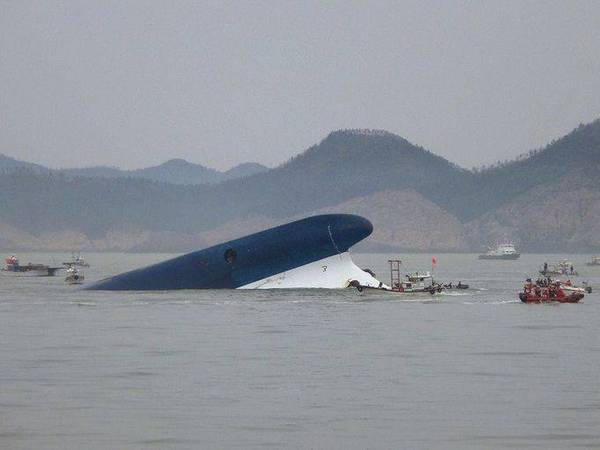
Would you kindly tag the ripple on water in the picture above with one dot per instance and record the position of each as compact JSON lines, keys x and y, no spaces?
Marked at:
{"x":306,"y":368}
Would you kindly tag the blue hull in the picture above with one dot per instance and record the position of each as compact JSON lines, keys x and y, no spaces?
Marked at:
{"x":248,"y":259}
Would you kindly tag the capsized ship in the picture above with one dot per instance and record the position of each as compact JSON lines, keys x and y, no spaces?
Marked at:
{"x":308,"y":253}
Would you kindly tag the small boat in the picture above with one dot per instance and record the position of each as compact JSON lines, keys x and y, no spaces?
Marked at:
{"x":552,"y":293}
{"x":563,"y":267}
{"x":459,"y":285}
{"x":411,"y":283}
{"x":506,"y":251}
{"x":417,"y":282}
{"x":594,"y":262}
{"x":14,"y":268}
{"x":74,"y":276}
{"x":76,"y":261}
{"x":569,"y":287}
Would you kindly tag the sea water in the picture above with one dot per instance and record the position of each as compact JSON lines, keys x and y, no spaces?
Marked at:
{"x":299,"y":369}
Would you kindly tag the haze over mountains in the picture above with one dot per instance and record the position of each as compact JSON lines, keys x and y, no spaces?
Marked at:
{"x":176,"y":171}
{"x":548,"y":200}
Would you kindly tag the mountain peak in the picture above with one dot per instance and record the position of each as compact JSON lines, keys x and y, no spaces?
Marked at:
{"x":176,"y":163}
{"x":364,"y":132}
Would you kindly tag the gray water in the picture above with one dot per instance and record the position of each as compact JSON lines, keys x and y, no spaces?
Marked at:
{"x":299,"y":369}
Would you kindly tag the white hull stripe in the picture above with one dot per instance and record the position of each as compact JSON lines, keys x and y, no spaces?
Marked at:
{"x":333,"y":272}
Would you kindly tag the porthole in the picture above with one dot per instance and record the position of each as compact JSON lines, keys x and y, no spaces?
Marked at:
{"x":230,"y":255}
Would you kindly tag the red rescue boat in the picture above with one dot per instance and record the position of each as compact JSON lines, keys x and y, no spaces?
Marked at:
{"x":532,"y":293}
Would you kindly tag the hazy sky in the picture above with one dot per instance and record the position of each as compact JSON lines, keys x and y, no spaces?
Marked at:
{"x":133,"y":83}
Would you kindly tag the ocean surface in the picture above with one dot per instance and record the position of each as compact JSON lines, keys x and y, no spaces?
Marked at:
{"x":299,"y":369}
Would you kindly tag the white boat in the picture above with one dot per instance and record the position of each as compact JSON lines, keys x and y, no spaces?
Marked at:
{"x":14,"y":268}
{"x":74,"y":276}
{"x":417,"y":282}
{"x":76,"y":261}
{"x":410,"y":283}
{"x":563,"y":267}
{"x":506,"y":251}
{"x":594,"y":262}
{"x":569,"y":287}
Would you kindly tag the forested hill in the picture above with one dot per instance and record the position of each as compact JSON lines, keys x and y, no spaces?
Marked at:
{"x":344,"y":165}
{"x":416,"y":200}
{"x":577,"y":155}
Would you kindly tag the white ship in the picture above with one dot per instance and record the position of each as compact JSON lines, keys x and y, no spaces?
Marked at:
{"x":505,"y":251}
{"x":74,"y":276}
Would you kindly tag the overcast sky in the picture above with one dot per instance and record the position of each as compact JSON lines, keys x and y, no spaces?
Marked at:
{"x":134,"y":83}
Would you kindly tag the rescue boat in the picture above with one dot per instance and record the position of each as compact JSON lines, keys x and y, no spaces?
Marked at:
{"x":552,"y":293}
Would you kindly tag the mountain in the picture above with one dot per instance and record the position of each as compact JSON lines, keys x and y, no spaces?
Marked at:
{"x":178,"y":171}
{"x":577,"y":151}
{"x":244,"y":170}
{"x":549,"y":200}
{"x":346,"y":164}
{"x":8,"y":164}
{"x":93,"y":172}
{"x":546,"y":201}
{"x":174,"y":171}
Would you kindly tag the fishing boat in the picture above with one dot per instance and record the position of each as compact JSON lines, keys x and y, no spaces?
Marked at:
{"x":505,"y":251}
{"x":74,"y":275}
{"x":14,"y":268}
{"x":563,"y":267}
{"x":417,"y":282}
{"x":594,"y":262}
{"x":553,"y":292}
{"x":78,"y":261}
{"x":411,"y":283}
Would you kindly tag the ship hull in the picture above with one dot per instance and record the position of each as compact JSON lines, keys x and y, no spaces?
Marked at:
{"x":288,"y":256}
{"x":574,"y":297}
{"x":511,"y":257}
{"x":334,"y":272}
{"x":28,"y":273}
{"x":24,"y":271}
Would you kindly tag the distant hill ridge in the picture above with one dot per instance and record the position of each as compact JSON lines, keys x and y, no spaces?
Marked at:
{"x":174,"y":171}
{"x":417,"y":200}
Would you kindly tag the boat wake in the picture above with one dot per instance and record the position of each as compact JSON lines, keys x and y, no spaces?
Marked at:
{"x":455,"y":294}
{"x":493,"y":302}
